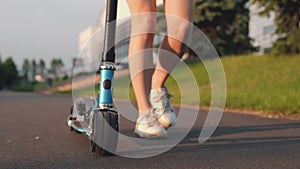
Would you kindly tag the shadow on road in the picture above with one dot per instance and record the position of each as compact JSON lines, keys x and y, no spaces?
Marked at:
{"x":226,"y":137}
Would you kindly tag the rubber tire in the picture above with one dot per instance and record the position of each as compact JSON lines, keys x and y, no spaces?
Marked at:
{"x":102,"y":134}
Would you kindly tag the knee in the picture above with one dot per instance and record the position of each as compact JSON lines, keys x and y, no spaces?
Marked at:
{"x":143,"y":24}
{"x":181,"y":31}
{"x":143,"y":29}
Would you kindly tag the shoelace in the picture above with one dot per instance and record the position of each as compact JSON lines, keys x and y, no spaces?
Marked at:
{"x":165,"y":103}
{"x":149,"y":118}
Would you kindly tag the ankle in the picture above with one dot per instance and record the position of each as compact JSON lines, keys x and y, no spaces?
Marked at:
{"x":144,"y":106}
{"x":158,"y":90}
{"x":144,"y":112}
{"x":155,"y":86}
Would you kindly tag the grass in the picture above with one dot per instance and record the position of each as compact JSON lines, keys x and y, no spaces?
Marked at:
{"x":263,"y":83}
{"x":28,"y":87}
{"x":253,"y":82}
{"x":31,"y":87}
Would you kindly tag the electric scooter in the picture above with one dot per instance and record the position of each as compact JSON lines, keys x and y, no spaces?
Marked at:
{"x":101,"y":122}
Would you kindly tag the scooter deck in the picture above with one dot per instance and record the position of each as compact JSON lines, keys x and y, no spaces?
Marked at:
{"x":79,"y":126}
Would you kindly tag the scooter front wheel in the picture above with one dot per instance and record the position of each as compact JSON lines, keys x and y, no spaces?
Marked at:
{"x":104,"y":136}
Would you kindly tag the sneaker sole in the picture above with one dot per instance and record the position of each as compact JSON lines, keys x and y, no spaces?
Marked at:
{"x":147,"y":135}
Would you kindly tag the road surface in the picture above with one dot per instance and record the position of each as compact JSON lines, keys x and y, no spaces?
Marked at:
{"x":34,"y":134}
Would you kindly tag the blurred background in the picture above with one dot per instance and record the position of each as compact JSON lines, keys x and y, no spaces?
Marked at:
{"x":258,"y":41}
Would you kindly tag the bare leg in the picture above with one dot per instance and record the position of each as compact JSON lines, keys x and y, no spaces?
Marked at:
{"x":179,"y":15}
{"x":140,"y":49}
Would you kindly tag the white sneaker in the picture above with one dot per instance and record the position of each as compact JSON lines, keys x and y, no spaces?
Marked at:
{"x":163,"y":108}
{"x":148,"y":126}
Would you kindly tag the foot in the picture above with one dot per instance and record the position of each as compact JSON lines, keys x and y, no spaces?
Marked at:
{"x":163,"y":108}
{"x":148,"y":126}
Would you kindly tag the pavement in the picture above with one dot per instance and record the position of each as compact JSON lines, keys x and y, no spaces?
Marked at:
{"x":34,"y":134}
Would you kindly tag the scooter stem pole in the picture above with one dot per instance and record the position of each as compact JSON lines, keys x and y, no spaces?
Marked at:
{"x":107,"y":67}
{"x":110,"y":31}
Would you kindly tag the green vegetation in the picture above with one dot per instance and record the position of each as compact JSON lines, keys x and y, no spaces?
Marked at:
{"x":253,"y":83}
{"x":9,"y":73}
{"x":35,"y":87}
{"x":2,"y":78}
{"x":287,"y":19}
{"x":28,"y":87}
{"x":25,"y":80}
{"x":25,"y":70}
{"x":226,"y":23}
{"x":263,"y":83}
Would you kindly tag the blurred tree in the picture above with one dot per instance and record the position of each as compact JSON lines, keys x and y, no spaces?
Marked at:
{"x":10,"y":72}
{"x":226,"y":25}
{"x":287,"y":20}
{"x":60,"y":62}
{"x":53,"y":65}
{"x":1,"y":73}
{"x":56,"y":65}
{"x":42,"y":66}
{"x":33,"y":69}
{"x":25,"y":69}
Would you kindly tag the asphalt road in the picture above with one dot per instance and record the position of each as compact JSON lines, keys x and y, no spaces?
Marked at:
{"x":34,"y":134}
